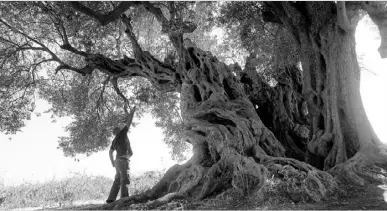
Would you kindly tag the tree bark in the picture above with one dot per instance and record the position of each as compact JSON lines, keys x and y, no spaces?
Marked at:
{"x":281,"y":108}
{"x":341,"y":135}
{"x":223,"y":127}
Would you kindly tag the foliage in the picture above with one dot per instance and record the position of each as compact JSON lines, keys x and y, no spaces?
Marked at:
{"x":43,"y":47}
{"x":35,"y":64}
{"x":167,"y":114}
{"x":95,"y":112}
{"x":35,"y":39}
{"x":17,"y":78}
{"x":269,"y":42}
{"x":211,"y":36}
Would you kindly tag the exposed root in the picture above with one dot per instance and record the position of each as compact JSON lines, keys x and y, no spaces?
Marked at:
{"x":248,"y":175}
{"x":240,"y":173}
{"x":347,"y":171}
{"x":353,"y":169}
{"x":299,"y":178}
{"x":233,"y":170}
{"x":164,"y":185}
{"x":124,"y":202}
{"x":163,"y":200}
{"x":216,"y":178}
{"x":187,"y":179}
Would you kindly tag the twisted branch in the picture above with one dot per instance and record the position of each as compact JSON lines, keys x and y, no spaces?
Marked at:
{"x":114,"y":82}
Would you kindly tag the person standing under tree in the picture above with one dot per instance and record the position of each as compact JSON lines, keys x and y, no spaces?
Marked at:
{"x":123,"y":150}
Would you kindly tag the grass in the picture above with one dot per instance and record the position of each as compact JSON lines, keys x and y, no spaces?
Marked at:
{"x":75,"y":190}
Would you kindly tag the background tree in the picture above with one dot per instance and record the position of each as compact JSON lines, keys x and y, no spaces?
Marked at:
{"x":233,"y":149}
{"x":341,"y":135}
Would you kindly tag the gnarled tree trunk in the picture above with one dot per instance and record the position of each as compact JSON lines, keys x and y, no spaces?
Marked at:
{"x":341,"y":135}
{"x":232,"y":147}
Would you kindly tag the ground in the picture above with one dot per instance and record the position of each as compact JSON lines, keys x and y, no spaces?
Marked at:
{"x":372,"y":196}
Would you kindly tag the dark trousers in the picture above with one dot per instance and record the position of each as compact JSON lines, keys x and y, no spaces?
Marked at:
{"x":121,"y":180}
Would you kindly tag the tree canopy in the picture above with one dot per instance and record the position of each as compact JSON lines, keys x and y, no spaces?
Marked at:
{"x":44,"y":45}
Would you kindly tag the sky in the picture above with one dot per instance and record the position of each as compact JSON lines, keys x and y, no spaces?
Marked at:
{"x":373,"y":86}
{"x":32,"y":154}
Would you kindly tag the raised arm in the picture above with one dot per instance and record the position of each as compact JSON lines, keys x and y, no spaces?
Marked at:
{"x":130,"y":117}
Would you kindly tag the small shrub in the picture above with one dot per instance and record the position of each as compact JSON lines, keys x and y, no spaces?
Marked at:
{"x":139,"y":184}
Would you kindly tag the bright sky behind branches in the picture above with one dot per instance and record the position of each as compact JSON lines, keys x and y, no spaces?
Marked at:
{"x":31,"y":155}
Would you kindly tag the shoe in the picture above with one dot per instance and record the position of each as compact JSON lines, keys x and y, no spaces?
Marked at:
{"x":109,"y":201}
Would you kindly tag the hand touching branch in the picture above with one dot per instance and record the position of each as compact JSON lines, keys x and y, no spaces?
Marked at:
{"x":114,"y":82}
